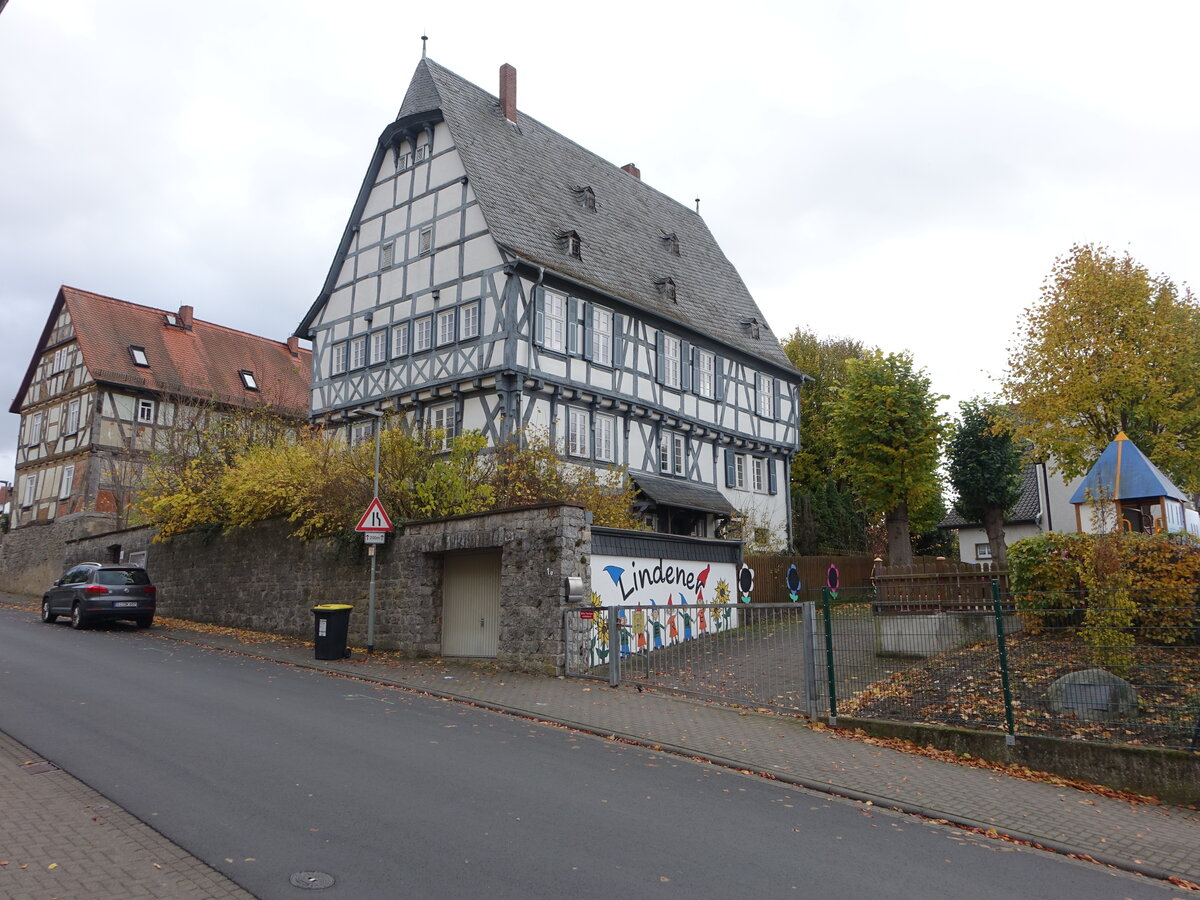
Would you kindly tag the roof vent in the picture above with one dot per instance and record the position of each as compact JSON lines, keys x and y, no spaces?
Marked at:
{"x":586,"y":197}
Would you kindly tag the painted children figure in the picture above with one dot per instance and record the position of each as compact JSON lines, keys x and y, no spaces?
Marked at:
{"x":656,"y":626}
{"x":639,"y":628}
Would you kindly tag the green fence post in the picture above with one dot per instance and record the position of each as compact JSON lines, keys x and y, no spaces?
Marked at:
{"x":825,"y":603}
{"x":1011,"y":737}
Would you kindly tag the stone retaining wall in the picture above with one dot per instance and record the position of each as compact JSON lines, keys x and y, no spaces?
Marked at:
{"x":258,"y":578}
{"x":31,"y":557}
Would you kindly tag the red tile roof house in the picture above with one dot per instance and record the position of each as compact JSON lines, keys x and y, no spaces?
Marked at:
{"x":106,"y":384}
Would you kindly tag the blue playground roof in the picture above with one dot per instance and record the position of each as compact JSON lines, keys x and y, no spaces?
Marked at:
{"x":1124,"y":473}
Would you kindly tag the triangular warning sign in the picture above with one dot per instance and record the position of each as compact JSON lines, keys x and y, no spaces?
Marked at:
{"x":374,"y":519}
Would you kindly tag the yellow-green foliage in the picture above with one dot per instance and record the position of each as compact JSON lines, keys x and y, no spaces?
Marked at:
{"x":321,"y":485}
{"x":1126,"y":586}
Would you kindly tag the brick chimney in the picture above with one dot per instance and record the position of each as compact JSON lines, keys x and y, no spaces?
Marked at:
{"x":185,"y":317}
{"x":508,"y":92}
{"x":294,"y":345}
{"x":631,"y":169}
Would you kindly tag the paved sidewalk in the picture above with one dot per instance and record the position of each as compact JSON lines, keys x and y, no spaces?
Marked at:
{"x":1161,"y":841}
{"x":61,"y":839}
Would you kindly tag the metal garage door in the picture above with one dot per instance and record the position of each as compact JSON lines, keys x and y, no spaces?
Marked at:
{"x":471,"y":604}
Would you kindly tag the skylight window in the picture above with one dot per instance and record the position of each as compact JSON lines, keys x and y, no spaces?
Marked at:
{"x":248,"y":380}
{"x":139,"y":356}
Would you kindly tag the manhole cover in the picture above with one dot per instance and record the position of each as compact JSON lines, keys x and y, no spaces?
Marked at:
{"x":313,"y":881}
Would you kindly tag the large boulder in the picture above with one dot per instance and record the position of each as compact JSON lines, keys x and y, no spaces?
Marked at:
{"x":1095,"y":695}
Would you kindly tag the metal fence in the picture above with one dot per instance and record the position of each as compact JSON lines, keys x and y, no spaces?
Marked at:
{"x":1123,"y":670}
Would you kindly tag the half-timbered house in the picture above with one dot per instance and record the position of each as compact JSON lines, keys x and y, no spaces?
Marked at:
{"x":496,"y":276}
{"x":110,"y":381}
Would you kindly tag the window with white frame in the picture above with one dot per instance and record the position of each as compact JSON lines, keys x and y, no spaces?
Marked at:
{"x":249,"y":382}
{"x":139,"y":357}
{"x":577,"y":432}
{"x":441,"y":425}
{"x":145,"y":411}
{"x":670,"y":372}
{"x":983,"y":551}
{"x":554,"y":321}
{"x":739,"y":471}
{"x":379,"y":346}
{"x":338,"y":363}
{"x":422,"y":334}
{"x":358,"y":352}
{"x":602,"y":336}
{"x":672,"y":453}
{"x":68,"y":480}
{"x":72,"y":425}
{"x":27,"y":496}
{"x":605,"y":429}
{"x":35,"y":429}
{"x":400,"y":339}
{"x":60,"y":360}
{"x":446,"y":321}
{"x":361,"y":432}
{"x":759,"y":469}
{"x":706,"y":373}
{"x":766,"y":398}
{"x":468,"y":326}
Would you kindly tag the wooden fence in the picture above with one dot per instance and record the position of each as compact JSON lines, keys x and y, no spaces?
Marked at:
{"x":938,"y":585}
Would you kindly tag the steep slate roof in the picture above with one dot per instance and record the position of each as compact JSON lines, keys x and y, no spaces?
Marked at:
{"x":1027,"y":508}
{"x":1124,"y":473}
{"x":201,"y":363}
{"x":526,"y":177}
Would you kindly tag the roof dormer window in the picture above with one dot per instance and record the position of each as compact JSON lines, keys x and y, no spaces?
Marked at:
{"x":586,"y":197}
{"x":572,"y":243}
{"x":171,"y":319}
{"x":139,"y":356}
{"x":671,"y":242}
{"x":248,"y":380}
{"x":666,"y":289}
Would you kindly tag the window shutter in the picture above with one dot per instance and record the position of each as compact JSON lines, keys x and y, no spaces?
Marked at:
{"x":572,"y":325}
{"x":719,"y":379}
{"x":730,"y":469}
{"x":685,"y":366}
{"x":588,"y":313}
{"x":618,"y":343}
{"x":772,"y":482}
{"x":660,"y":354}
{"x":539,"y":316}
{"x":777,"y":404}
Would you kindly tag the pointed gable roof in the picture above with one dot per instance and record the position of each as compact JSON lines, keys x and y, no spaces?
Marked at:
{"x":1124,"y":473}
{"x":526,"y":178}
{"x":202,"y":361}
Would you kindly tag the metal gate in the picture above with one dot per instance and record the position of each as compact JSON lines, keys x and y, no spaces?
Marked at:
{"x":471,"y":604}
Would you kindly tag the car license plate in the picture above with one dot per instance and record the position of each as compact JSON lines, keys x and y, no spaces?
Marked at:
{"x":126,"y":603}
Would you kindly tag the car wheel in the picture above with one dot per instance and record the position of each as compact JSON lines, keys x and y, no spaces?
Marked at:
{"x":48,"y":616}
{"x":144,"y":621}
{"x":77,"y":619}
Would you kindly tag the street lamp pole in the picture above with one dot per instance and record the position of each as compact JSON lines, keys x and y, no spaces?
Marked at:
{"x":377,"y":415}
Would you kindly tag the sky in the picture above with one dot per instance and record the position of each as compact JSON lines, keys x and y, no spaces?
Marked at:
{"x":901,"y":173}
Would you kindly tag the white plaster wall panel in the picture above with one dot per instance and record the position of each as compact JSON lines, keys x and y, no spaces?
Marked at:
{"x":480,"y":254}
{"x":379,"y":200}
{"x":474,"y":223}
{"x":449,"y":199}
{"x":601,"y":379}
{"x":445,"y":266}
{"x":403,"y":185}
{"x":369,"y":232}
{"x":446,"y":167}
{"x":391,"y":283}
{"x":338,"y":306}
{"x":539,"y":414}
{"x":474,"y":416}
{"x":422,"y":214}
{"x":346,"y":273}
{"x":396,"y":223}
{"x":419,"y":273}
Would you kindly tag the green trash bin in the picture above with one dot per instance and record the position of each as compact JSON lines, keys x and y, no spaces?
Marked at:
{"x":330,"y":629}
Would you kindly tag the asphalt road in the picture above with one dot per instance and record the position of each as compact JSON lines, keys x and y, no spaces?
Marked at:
{"x":264,"y":770}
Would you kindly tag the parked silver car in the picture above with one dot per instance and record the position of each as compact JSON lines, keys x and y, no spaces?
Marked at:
{"x":91,"y":592}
